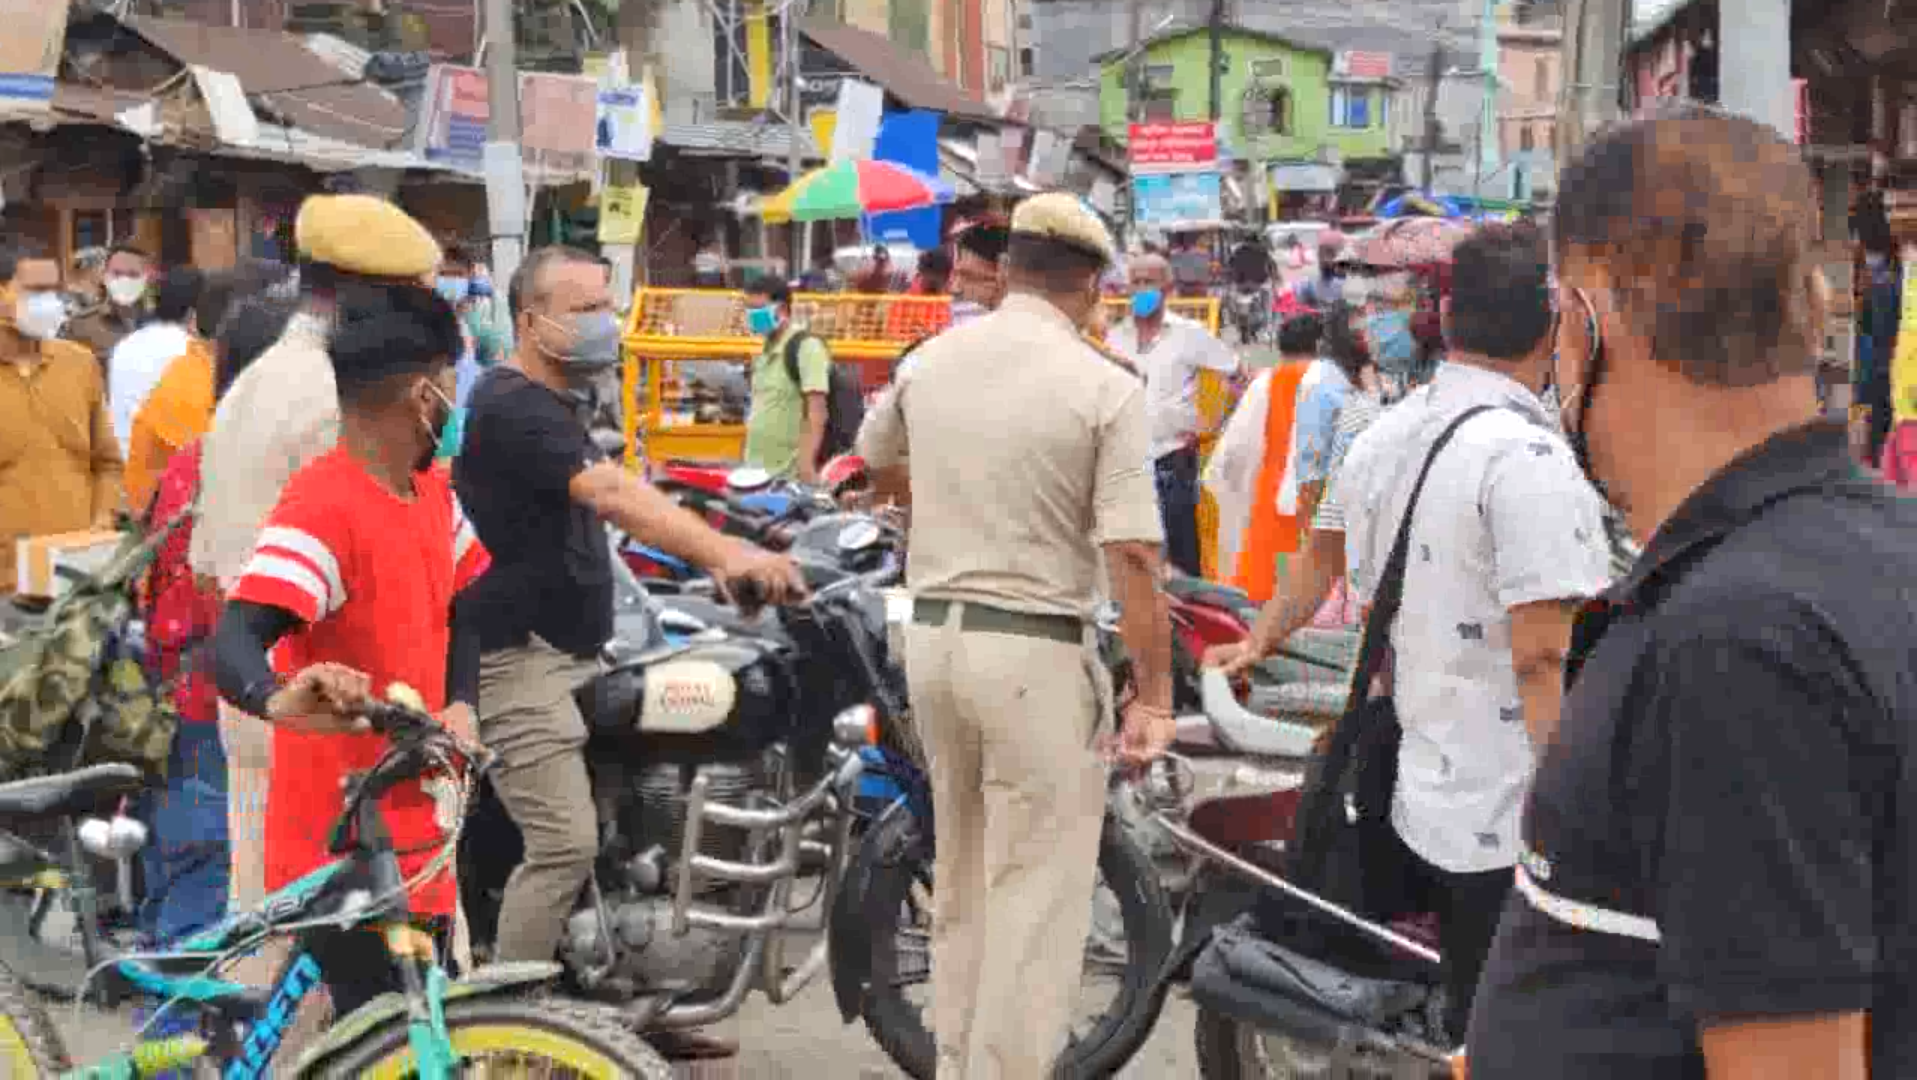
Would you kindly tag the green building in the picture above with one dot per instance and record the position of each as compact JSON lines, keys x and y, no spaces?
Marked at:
{"x":1279,"y":101}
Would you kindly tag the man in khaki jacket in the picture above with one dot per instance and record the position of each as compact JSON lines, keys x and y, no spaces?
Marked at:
{"x":1027,"y":451}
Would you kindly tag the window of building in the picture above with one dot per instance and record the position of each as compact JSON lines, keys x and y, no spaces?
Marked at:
{"x":1351,"y":106}
{"x":998,"y":67}
{"x":1026,"y":62}
{"x":1272,"y":67}
{"x":1268,"y":111}
{"x":1526,"y":140}
{"x":1159,"y":105}
{"x":1541,"y":86}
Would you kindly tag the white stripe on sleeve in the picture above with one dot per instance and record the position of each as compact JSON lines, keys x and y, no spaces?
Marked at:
{"x":294,"y":573}
{"x":313,"y":550}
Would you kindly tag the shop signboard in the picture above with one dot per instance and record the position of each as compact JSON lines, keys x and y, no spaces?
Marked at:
{"x":1172,"y":147}
{"x":30,"y":52}
{"x":558,"y":121}
{"x":1172,"y":201}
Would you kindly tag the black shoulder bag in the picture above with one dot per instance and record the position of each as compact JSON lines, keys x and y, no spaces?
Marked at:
{"x":1344,"y":812}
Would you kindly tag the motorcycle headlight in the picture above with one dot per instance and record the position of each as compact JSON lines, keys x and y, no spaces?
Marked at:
{"x":856,"y":727}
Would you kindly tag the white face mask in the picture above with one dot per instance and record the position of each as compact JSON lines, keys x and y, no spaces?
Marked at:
{"x":40,"y":315}
{"x":125,"y":291}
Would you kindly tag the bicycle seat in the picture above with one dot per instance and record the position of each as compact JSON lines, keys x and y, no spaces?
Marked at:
{"x":68,"y":793}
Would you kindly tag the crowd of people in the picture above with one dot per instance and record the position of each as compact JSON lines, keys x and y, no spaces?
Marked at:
{"x":1657,"y":801}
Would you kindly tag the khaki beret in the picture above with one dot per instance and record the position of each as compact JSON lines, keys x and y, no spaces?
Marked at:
{"x":1060,"y":216}
{"x":360,"y":234}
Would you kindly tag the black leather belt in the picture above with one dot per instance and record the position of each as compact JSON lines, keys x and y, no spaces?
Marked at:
{"x":982,"y":619}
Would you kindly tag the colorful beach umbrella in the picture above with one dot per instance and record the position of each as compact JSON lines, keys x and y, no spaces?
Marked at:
{"x":852,"y":189}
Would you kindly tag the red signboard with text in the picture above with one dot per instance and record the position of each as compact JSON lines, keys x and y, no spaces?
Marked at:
{"x":1181,"y":146}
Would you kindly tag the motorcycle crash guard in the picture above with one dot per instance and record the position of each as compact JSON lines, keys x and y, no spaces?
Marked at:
{"x":1276,"y":989}
{"x":482,"y":982}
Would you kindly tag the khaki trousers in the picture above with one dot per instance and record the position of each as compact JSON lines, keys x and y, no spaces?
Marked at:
{"x":527,"y":718}
{"x":1010,"y":724}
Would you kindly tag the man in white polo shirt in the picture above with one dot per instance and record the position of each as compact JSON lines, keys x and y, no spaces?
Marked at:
{"x":1170,"y":351}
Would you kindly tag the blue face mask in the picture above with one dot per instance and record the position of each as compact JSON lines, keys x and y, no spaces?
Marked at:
{"x":1392,"y":346}
{"x":1146,"y":302}
{"x":451,"y":289}
{"x":762,"y":320}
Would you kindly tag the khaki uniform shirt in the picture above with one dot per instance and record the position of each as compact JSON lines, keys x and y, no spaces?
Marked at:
{"x":59,"y":462}
{"x":281,"y":412}
{"x":1028,"y":452}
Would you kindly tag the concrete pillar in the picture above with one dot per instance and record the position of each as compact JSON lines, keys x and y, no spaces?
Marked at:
{"x":1754,"y":66}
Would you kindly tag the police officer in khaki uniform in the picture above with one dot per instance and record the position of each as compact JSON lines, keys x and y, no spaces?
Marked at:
{"x":1028,"y":453}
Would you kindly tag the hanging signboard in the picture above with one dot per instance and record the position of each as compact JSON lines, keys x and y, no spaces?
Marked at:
{"x":624,"y":125}
{"x":1173,"y":201}
{"x":453,"y":116}
{"x":558,"y":125}
{"x":860,"y":108}
{"x":30,"y":52}
{"x":622,"y":212}
{"x":1173,"y":147}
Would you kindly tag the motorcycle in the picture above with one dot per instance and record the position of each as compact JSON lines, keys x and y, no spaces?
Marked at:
{"x":721,"y":762}
{"x":1287,"y":982}
{"x":1248,"y":307}
{"x":888,"y":877}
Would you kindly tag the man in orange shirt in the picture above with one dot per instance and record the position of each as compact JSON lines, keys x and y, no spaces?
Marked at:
{"x":59,"y":462}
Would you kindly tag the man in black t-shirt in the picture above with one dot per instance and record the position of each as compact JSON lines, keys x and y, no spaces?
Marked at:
{"x":1720,"y":841}
{"x":537,"y":490}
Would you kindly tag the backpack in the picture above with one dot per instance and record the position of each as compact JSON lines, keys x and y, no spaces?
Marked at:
{"x":76,"y":689}
{"x":844,"y":400}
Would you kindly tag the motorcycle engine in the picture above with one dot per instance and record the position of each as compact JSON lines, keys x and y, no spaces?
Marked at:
{"x":628,"y":933}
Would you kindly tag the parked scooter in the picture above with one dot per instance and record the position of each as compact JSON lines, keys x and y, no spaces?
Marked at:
{"x":1249,"y":309}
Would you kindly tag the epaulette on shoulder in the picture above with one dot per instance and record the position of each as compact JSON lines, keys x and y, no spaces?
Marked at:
{"x":1123,"y":363}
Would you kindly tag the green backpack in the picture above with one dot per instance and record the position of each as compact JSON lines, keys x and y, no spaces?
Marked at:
{"x":75,"y":689}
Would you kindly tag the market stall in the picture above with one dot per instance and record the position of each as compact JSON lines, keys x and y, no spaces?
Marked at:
{"x":688,"y":357}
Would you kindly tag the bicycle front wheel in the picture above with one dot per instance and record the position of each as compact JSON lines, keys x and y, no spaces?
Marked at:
{"x":30,"y":1046}
{"x":545,"y":1037}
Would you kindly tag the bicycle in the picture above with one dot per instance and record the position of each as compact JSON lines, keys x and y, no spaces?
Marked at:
{"x":429,"y":1030}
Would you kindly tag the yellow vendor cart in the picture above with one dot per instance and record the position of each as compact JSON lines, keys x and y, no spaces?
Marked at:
{"x":1216,"y":397}
{"x":684,"y":346}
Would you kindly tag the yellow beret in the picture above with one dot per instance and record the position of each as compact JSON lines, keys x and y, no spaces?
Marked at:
{"x":1060,"y":216}
{"x":361,"y":234}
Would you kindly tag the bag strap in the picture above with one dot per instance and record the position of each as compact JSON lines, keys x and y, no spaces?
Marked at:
{"x":1389,"y":595}
{"x":793,"y":344}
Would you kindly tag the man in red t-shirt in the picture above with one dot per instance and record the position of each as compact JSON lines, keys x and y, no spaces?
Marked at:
{"x":352,"y":587}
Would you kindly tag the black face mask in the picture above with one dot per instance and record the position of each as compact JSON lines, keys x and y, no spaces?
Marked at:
{"x":1578,"y":435}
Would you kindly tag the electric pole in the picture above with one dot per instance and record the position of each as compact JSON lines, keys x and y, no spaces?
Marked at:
{"x":504,"y":167}
{"x":798,"y":240}
{"x":1592,"y":56}
{"x":1216,"y":25}
{"x":1434,"y":78}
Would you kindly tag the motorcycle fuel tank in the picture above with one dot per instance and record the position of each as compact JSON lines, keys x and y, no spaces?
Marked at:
{"x":718,"y":700}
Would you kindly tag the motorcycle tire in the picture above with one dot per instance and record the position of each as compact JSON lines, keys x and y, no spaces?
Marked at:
{"x":900,"y":1027}
{"x":1231,"y":1050}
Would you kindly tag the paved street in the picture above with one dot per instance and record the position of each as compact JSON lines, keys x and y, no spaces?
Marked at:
{"x":803,"y":1040}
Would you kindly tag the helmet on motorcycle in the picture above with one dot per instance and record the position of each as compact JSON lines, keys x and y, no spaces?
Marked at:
{"x":842,"y":472}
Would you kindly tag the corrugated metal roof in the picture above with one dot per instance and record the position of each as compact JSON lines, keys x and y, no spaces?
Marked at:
{"x":900,"y":74}
{"x":306,"y":90}
{"x":737,"y":138}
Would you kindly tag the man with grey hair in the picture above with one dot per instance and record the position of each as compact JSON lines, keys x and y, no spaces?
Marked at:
{"x":539,"y":490}
{"x":1170,"y":350}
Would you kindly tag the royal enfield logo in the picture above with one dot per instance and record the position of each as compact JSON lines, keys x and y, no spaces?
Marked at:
{"x":687,"y":697}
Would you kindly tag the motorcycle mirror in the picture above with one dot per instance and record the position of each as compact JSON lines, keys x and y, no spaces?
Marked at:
{"x":748,"y":478}
{"x":858,"y":536}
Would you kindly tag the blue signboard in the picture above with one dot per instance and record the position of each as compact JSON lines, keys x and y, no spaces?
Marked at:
{"x":1172,"y":199}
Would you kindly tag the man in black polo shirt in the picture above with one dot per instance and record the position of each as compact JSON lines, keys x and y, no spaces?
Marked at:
{"x":1719,"y":843}
{"x":537,"y":490}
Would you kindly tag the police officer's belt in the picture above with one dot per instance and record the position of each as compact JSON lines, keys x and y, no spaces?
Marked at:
{"x":991,"y":620}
